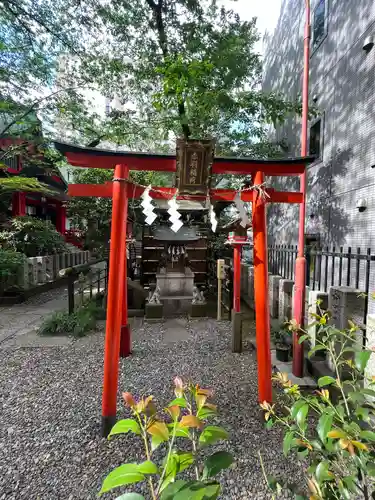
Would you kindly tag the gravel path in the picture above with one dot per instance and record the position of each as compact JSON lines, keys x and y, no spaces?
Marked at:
{"x":50,"y":411}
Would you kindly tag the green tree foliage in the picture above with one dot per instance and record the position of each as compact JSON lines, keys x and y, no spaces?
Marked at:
{"x":187,"y":67}
{"x":32,"y":237}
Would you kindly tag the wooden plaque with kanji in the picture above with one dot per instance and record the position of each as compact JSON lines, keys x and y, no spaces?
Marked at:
{"x":193,"y":165}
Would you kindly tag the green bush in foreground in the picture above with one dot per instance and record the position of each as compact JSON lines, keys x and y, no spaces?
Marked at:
{"x":337,"y":446}
{"x":77,"y":324}
{"x":184,"y":420}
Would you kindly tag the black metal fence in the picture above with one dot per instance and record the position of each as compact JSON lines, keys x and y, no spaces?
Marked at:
{"x":326,"y":267}
{"x":86,"y":281}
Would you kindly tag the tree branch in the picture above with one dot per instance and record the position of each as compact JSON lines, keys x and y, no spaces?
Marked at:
{"x":31,"y":108}
{"x":36,"y":19}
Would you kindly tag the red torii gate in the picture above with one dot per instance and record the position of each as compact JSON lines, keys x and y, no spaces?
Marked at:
{"x":117,"y":339}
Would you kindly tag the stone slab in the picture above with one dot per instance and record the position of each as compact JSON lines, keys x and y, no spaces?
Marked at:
{"x":306,"y":381}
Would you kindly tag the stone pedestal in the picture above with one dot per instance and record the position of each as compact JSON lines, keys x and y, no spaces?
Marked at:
{"x":198,"y":310}
{"x":345,"y":304}
{"x":315,"y":296}
{"x":273,"y":294}
{"x":175,"y":284}
{"x":154,"y":311}
{"x":285,"y":299}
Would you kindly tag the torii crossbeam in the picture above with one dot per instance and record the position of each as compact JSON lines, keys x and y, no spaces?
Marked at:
{"x":121,"y":189}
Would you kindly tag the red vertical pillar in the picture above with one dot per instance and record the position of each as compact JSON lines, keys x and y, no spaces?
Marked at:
{"x":262,"y":314}
{"x":237,"y":278}
{"x":114,"y":301}
{"x":300,"y":281}
{"x":18,"y":204}
{"x":125,"y":341}
{"x":61,"y":218}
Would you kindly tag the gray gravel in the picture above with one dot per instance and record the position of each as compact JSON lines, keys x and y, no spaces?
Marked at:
{"x":50,"y":412}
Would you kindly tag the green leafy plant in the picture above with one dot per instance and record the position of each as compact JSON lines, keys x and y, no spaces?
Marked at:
{"x":333,"y":428}
{"x":10,"y":263}
{"x":184,"y":419}
{"x":32,"y":237}
{"x":77,"y":324}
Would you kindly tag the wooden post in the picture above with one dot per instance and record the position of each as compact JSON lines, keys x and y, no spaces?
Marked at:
{"x":71,"y":279}
{"x":220,"y":275}
{"x":237,"y":278}
{"x":236,"y":313}
{"x":262,"y":313}
{"x":125,"y":340}
{"x":114,"y":302}
{"x":219,"y":285}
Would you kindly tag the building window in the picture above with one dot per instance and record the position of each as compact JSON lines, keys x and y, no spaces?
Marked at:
{"x":319,"y":22}
{"x":315,"y":147}
{"x":10,"y":162}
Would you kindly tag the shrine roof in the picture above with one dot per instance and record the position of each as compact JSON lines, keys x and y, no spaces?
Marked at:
{"x":101,"y":158}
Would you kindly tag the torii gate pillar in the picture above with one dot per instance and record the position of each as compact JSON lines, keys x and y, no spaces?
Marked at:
{"x":262,"y":313}
{"x":117,"y":258}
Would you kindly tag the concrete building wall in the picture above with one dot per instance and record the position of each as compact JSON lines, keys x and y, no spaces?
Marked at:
{"x":342,"y":78}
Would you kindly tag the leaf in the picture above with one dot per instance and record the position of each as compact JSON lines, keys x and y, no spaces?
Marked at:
{"x":368,"y":392}
{"x":327,"y":380}
{"x":206,"y":412}
{"x":170,"y":471}
{"x":130,"y":496}
{"x":315,"y":349}
{"x":185,"y":460}
{"x":296,"y":407}
{"x":192,"y":490}
{"x":324,"y":426}
{"x":124,"y":426}
{"x":363,"y":414}
{"x":181,"y":402}
{"x":148,"y":467}
{"x":216,"y":463}
{"x":302,"y":414}
{"x":190,"y":421}
{"x":368,"y":435}
{"x":322,"y":473}
{"x":121,"y":476}
{"x":361,"y":359}
{"x":156,"y":441}
{"x":359,"y":445}
{"x":211,"y":434}
{"x":303,"y":338}
{"x":159,"y":429}
{"x":336,"y":434}
{"x":287,"y":442}
{"x":170,"y":492}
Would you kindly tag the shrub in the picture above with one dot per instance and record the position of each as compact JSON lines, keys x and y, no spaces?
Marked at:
{"x":33,"y":237}
{"x":10,"y":262}
{"x":77,"y":324}
{"x":340,"y":446}
{"x":184,"y":419}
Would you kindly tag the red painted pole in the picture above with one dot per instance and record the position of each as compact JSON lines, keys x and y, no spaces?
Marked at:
{"x":262,"y":314}
{"x":114,"y":301}
{"x":237,"y":278}
{"x":300,"y":284}
{"x":18,"y":204}
{"x":125,"y":339}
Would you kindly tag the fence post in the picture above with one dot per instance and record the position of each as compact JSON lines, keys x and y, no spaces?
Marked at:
{"x":71,"y":280}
